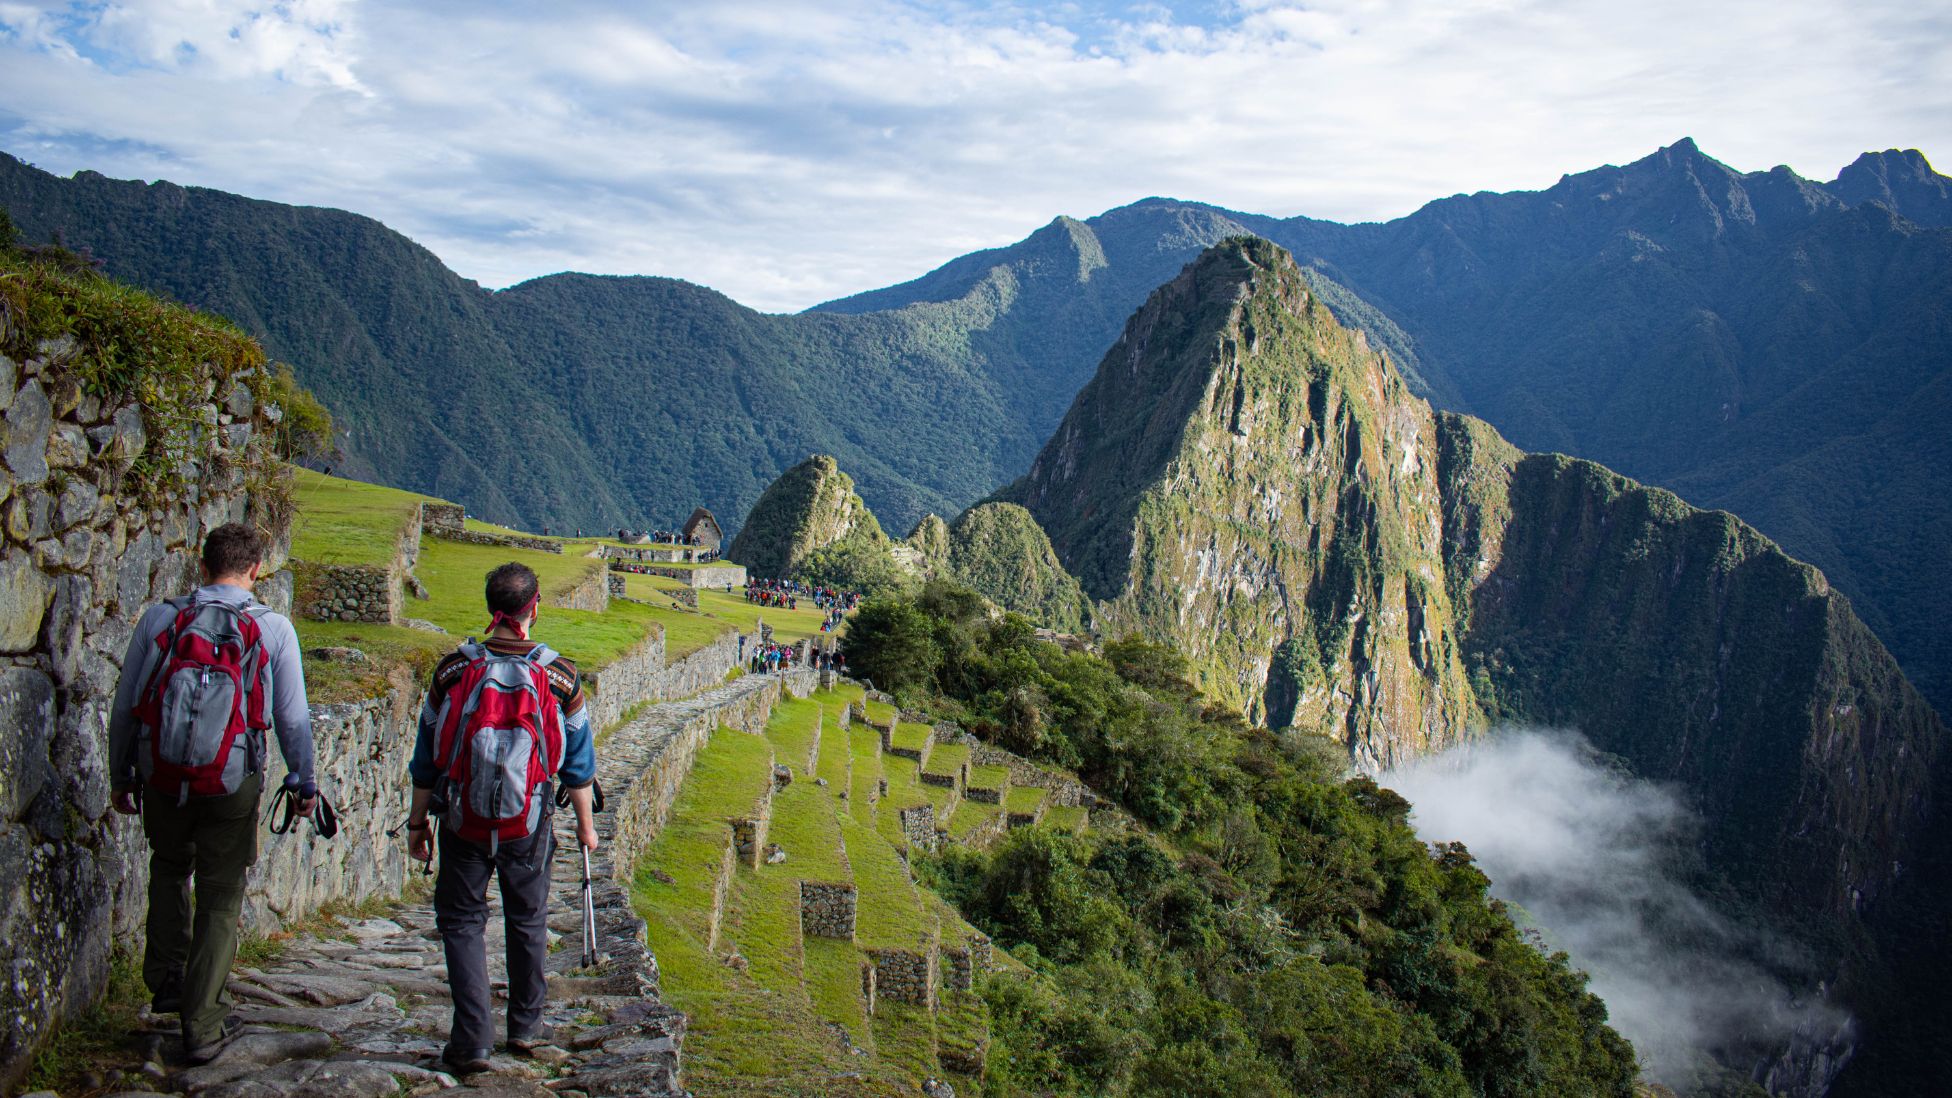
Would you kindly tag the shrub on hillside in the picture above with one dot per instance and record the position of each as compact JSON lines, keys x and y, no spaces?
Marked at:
{"x":1280,"y":931}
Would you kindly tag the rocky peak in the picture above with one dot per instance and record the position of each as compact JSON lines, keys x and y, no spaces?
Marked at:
{"x":1249,"y":479}
{"x":1902,"y":180}
{"x":810,"y":506}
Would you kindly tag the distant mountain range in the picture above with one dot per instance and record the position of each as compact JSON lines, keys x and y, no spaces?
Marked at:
{"x":1758,"y":342}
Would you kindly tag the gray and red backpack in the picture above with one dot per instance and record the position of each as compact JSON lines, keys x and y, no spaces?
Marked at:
{"x":202,"y":712}
{"x":500,"y":740}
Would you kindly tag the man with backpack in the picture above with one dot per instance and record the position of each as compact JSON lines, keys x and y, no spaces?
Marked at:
{"x":503,"y":718}
{"x":204,"y":676}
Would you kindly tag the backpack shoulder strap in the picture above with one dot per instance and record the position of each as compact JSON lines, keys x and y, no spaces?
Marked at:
{"x":542,"y":655}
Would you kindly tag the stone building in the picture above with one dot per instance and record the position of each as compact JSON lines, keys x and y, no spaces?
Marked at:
{"x":704,"y":528}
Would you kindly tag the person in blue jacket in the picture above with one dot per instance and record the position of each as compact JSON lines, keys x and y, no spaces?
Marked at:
{"x":461,"y":889}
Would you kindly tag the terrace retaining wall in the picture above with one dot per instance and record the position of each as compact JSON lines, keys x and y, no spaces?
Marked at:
{"x":905,"y":976}
{"x":827,"y":910}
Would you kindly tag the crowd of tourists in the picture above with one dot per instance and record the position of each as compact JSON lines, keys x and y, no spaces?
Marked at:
{"x":786,"y":594}
{"x":768,"y":657}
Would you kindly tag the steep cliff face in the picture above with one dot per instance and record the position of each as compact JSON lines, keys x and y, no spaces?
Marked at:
{"x":810,"y":507}
{"x":1249,"y":479}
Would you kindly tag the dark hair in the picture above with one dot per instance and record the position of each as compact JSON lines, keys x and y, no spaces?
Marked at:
{"x":511,"y":588}
{"x":231,"y":550}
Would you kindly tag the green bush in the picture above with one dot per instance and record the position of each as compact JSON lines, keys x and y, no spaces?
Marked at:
{"x":1279,"y":931}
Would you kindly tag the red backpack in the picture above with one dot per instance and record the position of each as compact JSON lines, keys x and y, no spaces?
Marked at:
{"x":498,"y":743}
{"x":204,"y":695}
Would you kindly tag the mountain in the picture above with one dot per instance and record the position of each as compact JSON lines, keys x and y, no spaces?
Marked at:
{"x":999,"y":551}
{"x":810,"y":507}
{"x":1254,"y":483}
{"x":568,"y":401}
{"x":1754,"y":341}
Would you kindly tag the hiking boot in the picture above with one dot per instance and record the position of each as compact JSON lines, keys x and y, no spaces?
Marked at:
{"x":209,"y":1050}
{"x":527,"y":1044}
{"x":467,"y":1061}
{"x":169,"y":997}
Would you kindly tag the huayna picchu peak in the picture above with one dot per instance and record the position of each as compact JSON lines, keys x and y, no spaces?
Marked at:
{"x":1248,"y":480}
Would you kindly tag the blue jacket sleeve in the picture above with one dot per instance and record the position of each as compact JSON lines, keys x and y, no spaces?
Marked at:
{"x":579,"y":750}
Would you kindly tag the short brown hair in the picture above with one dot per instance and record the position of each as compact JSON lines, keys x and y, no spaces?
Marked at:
{"x":511,"y":588}
{"x":231,"y":550}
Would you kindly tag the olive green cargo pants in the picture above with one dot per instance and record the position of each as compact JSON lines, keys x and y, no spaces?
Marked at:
{"x":214,"y":839}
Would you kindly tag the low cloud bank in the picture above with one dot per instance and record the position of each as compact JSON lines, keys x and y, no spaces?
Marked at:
{"x":1598,"y":858}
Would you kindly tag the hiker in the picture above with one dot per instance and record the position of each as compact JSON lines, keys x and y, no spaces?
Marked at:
{"x":214,"y":655}
{"x":503,"y":717}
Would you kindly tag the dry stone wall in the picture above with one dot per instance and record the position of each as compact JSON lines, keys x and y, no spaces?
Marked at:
{"x":1064,"y":792}
{"x":716,"y":577}
{"x":506,"y":541}
{"x":592,"y":592}
{"x":83,"y":550}
{"x":442,"y":518}
{"x":827,"y":910}
{"x":905,"y":976}
{"x":918,"y":825}
{"x":362,"y":750}
{"x":961,"y":964}
{"x":641,"y":675}
{"x":347,"y":592}
{"x":648,"y":555}
{"x":362,"y":593}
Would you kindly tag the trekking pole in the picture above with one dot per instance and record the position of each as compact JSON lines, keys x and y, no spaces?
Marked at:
{"x":589,"y":915}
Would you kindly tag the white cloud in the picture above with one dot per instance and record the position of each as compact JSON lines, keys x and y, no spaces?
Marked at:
{"x":1602,"y":862}
{"x":790,"y":152}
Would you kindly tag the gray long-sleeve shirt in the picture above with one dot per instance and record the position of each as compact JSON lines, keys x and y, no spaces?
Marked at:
{"x":284,"y":681}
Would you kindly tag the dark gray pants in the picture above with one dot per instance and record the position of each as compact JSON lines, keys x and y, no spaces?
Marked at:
{"x":461,"y":911}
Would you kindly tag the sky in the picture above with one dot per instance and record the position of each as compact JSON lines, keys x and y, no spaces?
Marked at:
{"x":788,"y":153}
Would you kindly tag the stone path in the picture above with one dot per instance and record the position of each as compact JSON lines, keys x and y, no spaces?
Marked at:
{"x":363,"y":1011}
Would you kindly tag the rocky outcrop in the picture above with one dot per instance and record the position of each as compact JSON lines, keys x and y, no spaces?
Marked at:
{"x":1250,"y":480}
{"x":811,"y":506}
{"x":998,"y":550}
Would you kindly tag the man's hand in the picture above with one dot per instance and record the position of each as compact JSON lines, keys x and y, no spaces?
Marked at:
{"x":584,"y":801}
{"x":128,"y":800}
{"x":305,"y":806}
{"x":420,"y":843}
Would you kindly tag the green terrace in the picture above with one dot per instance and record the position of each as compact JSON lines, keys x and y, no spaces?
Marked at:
{"x":340,"y":522}
{"x":777,"y":1008}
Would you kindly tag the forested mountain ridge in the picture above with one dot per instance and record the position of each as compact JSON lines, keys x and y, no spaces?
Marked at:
{"x":1754,"y":341}
{"x":613,"y":375}
{"x":1757,"y":342}
{"x":1252,"y":483}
